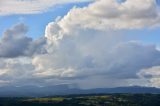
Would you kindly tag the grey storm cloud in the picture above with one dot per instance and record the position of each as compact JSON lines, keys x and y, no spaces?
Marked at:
{"x":14,"y":43}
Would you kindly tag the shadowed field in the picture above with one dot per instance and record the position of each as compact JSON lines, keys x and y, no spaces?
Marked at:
{"x":87,"y":100}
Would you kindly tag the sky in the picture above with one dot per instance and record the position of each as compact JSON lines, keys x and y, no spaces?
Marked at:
{"x":87,"y":43}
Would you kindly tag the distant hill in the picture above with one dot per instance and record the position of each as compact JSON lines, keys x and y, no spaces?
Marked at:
{"x":34,"y":91}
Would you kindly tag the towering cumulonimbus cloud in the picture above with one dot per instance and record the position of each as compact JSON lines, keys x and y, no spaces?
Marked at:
{"x":91,"y":44}
{"x":90,"y":41}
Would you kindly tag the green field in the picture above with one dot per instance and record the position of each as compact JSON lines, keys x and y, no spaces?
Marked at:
{"x":87,"y":100}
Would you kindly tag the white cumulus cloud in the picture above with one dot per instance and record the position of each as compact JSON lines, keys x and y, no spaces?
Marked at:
{"x":151,"y":74}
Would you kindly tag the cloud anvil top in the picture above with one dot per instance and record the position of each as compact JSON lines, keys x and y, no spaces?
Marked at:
{"x":103,"y":41}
